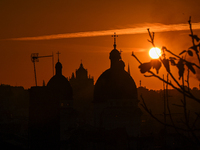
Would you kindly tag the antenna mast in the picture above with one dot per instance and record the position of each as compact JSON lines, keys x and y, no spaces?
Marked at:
{"x":35,"y":58}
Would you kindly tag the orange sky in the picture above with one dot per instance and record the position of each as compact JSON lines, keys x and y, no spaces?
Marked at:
{"x":36,"y":18}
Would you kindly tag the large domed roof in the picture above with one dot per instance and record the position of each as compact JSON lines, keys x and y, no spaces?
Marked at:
{"x":114,"y":84}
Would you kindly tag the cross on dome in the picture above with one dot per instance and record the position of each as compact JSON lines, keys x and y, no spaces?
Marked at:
{"x":114,"y":39}
{"x":58,"y":55}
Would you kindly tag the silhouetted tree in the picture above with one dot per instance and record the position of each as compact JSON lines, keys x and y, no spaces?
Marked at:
{"x":184,"y":66}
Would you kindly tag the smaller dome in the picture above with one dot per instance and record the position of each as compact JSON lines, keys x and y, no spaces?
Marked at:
{"x":58,"y":68}
{"x":115,"y":55}
{"x":59,"y":84}
{"x":58,"y":65}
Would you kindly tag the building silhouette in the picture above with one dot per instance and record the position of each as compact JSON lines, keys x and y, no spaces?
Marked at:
{"x":83,"y":87}
{"x":49,"y":106}
{"x":115,"y":98}
{"x":81,"y":83}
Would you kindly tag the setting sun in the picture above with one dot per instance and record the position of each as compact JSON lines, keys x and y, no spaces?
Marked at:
{"x":154,"y":53}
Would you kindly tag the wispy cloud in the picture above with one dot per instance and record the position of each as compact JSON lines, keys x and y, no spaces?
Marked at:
{"x":134,"y":30}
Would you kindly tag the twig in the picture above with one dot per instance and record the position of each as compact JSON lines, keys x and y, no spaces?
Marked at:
{"x":180,"y":58}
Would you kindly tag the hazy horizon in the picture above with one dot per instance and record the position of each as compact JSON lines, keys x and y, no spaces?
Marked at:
{"x":81,"y":30}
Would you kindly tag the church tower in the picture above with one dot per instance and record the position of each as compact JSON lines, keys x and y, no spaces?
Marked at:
{"x":60,"y":87}
{"x":115,"y":97}
{"x":83,"y":87}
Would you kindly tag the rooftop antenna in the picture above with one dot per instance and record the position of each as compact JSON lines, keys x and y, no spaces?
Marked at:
{"x":35,"y":58}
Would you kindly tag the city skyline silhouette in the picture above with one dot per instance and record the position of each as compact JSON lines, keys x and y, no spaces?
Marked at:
{"x":78,"y":75}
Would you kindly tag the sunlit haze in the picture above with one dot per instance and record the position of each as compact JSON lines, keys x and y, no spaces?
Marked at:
{"x":82,"y":32}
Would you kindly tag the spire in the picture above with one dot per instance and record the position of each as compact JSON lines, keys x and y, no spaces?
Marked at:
{"x":58,"y":55}
{"x":114,"y":39}
{"x":129,"y":69}
{"x":58,"y":66}
{"x":81,"y":65}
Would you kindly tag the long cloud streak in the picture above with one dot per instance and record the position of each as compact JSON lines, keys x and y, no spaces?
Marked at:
{"x":136,"y":30}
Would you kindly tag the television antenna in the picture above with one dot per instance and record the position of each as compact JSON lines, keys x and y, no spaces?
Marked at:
{"x":35,"y":58}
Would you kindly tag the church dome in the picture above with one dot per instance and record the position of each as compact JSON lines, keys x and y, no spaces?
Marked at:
{"x":114,"y":84}
{"x":58,"y":65}
{"x":59,"y":84}
{"x":115,"y":55}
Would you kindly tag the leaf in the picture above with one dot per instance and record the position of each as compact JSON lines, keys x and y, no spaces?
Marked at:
{"x":173,"y":63}
{"x":163,"y":48}
{"x":195,"y":37}
{"x":172,"y":58}
{"x":182,"y":52}
{"x":198,"y":46}
{"x":163,"y":55}
{"x":145,"y":67}
{"x":166,"y":64}
{"x":194,"y":48}
{"x":190,"y":52}
{"x":181,"y":68}
{"x":189,"y":65}
{"x":155,"y":63}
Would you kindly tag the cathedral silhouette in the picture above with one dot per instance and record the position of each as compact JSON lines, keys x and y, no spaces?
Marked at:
{"x":66,"y":105}
{"x":115,"y":97}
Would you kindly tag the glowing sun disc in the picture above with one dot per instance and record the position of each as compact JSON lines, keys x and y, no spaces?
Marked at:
{"x":154,"y":53}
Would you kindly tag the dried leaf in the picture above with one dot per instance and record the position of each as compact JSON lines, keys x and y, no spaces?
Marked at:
{"x":173,"y":63}
{"x":166,"y":64}
{"x":155,"y":63}
{"x":163,"y":55}
{"x":182,"y":52}
{"x":190,"y":52}
{"x":172,"y":58}
{"x":145,"y":67}
{"x":194,"y":48}
{"x":189,"y":65}
{"x":181,"y":68}
{"x":163,"y":48}
{"x":198,"y":46}
{"x":195,"y":37}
